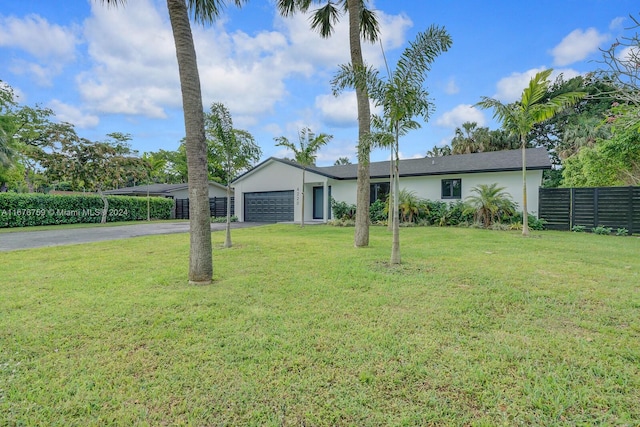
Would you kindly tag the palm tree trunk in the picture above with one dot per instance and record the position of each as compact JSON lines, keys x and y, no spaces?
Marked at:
{"x":302,"y":197}
{"x":361,"y":237}
{"x":227,"y":239}
{"x":525,"y":212}
{"x":392,"y":191}
{"x":200,"y":252}
{"x":395,"y":246}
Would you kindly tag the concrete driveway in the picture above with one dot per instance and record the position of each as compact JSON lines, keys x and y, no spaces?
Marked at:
{"x":35,"y":239}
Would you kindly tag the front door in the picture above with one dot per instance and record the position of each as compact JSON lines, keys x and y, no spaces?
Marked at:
{"x":318,"y":205}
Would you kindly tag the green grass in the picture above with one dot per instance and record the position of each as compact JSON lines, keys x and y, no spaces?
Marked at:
{"x":475,"y":328}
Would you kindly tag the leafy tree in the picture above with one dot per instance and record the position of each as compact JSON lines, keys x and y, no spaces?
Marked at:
{"x":342,"y":161}
{"x":488,"y":203}
{"x":473,"y":139}
{"x":401,"y":97}
{"x":362,"y":22}
{"x":234,"y":149}
{"x":610,"y":162}
{"x":304,"y":153}
{"x":203,"y":11}
{"x":572,"y":128}
{"x":519,"y":118}
{"x":94,"y":166}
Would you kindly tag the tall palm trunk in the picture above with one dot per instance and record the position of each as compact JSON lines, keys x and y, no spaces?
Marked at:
{"x":392,"y":191}
{"x":361,"y":237}
{"x":302,"y":197}
{"x":200,"y":253}
{"x":395,"y":245}
{"x":227,"y":239}
{"x":525,"y":212}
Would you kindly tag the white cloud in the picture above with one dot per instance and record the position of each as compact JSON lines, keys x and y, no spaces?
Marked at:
{"x":451,"y":87}
{"x":341,"y":111}
{"x":73,"y":115}
{"x":577,"y":46}
{"x":37,"y":36}
{"x":52,"y":45}
{"x":617,"y":24}
{"x":134,"y":65}
{"x":307,"y":47}
{"x":460,"y":114}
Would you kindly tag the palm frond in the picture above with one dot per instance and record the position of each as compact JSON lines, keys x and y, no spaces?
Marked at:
{"x":207,"y":11}
{"x":369,"y":26}
{"x":324,"y":19}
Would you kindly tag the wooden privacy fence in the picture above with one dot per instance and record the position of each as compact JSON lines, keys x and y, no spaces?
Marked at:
{"x":217,"y":206}
{"x":615,"y":207}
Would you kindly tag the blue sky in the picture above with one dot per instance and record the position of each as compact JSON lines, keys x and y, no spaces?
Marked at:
{"x":114,"y":69}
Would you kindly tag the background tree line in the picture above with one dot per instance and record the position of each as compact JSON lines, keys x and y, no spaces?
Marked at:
{"x":595,"y":143}
{"x":39,"y":154}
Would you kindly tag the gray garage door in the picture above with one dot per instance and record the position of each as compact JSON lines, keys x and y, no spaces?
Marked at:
{"x":268,"y":206}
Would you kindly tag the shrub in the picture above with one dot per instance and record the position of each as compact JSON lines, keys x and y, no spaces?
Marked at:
{"x":378,"y":212}
{"x":601,"y":230}
{"x":622,"y":232}
{"x":534,"y":223}
{"x":342,"y":210}
{"x":578,"y":228}
{"x":490,"y":204}
{"x":25,"y":210}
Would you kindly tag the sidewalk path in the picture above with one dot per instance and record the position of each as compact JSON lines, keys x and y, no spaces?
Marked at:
{"x":35,"y":239}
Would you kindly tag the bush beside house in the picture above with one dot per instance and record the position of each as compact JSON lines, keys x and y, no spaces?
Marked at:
{"x":25,"y":210}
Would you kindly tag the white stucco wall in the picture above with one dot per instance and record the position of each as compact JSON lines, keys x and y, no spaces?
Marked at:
{"x":430,"y":187}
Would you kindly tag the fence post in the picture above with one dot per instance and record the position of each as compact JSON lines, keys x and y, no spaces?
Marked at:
{"x":572,"y":211}
{"x":630,"y":211}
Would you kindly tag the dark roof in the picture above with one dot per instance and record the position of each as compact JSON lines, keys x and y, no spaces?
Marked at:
{"x":494,"y":161}
{"x":162,"y":189}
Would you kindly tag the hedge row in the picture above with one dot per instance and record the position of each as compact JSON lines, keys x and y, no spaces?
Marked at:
{"x":25,"y":210}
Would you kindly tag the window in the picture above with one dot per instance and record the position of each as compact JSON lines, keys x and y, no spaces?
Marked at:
{"x":379,"y":191}
{"x":451,"y":188}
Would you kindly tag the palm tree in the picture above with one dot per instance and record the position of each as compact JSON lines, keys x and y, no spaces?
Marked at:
{"x":362,"y":22}
{"x":342,"y":161}
{"x":409,"y":205}
{"x":439,"y":151}
{"x":305,"y":153}
{"x":401,"y":97}
{"x":234,"y":150}
{"x":520,"y":117}
{"x":469,"y":139}
{"x":488,"y":203}
{"x":203,"y":11}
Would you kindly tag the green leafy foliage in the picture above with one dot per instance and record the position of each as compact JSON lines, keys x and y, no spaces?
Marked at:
{"x":378,"y":212}
{"x":605,"y":231}
{"x":622,"y":232}
{"x":578,"y":228}
{"x":25,"y":210}
{"x":342,"y":210}
{"x":489,"y":203}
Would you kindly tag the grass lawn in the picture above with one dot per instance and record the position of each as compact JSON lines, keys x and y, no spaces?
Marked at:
{"x":475,"y":327}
